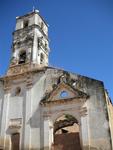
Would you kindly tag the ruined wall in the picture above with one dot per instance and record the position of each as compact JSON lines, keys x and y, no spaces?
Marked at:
{"x":1,"y":101}
{"x":98,"y":123}
{"x":110,"y":113}
{"x":111,"y":121}
{"x":35,"y":129}
{"x":97,"y":126}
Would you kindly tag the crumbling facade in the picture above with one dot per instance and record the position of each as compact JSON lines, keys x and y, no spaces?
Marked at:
{"x":45,"y":108}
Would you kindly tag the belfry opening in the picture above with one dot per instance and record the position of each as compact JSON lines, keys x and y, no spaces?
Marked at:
{"x":22,"y":57}
{"x":66,"y":133}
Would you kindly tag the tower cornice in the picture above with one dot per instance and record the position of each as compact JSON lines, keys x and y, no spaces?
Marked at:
{"x":30,"y":28}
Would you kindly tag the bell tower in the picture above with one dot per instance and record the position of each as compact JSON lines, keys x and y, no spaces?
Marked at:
{"x":30,"y":46}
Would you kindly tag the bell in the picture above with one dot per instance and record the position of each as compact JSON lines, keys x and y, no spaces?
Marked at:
{"x":21,"y":61}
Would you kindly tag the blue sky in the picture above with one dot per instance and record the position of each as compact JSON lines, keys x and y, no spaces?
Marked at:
{"x":80,"y":32}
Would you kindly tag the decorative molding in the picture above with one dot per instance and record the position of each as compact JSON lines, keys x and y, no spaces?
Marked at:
{"x":7,"y":85}
{"x":63,"y":102}
{"x":30,"y":29}
{"x":15,"y":123}
{"x":42,"y":44}
{"x":83,"y":111}
{"x":49,"y":99}
{"x":19,"y":69}
{"x":19,"y":77}
{"x":29,"y":81}
{"x":19,"y":44}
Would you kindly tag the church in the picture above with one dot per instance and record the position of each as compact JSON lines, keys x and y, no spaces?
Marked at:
{"x":45,"y":108}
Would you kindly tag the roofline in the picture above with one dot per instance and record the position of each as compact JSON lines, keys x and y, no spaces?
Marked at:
{"x":31,"y":13}
{"x":91,"y":78}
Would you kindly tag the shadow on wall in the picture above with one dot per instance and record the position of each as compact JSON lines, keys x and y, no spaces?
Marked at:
{"x":34,"y":121}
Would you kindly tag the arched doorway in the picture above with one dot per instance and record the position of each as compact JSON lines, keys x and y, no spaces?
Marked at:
{"x":66,"y":133}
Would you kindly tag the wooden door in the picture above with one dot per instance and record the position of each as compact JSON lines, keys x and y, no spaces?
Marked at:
{"x":15,"y":140}
{"x":67,"y":141}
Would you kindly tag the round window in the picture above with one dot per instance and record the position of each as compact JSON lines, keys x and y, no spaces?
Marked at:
{"x":64,"y":94}
{"x":17,"y":91}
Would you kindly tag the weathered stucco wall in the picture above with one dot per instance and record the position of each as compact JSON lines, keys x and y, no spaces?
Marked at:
{"x":99,"y":136}
{"x":1,"y":101}
{"x":97,"y":117}
{"x":37,"y":121}
{"x":111,"y":121}
{"x":110,"y":115}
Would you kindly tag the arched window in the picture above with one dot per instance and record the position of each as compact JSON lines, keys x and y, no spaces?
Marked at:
{"x":41,"y":58}
{"x":66,"y":133}
{"x":64,"y":94}
{"x":22,"y":57}
{"x":17,"y":91}
{"x":25,"y":24}
{"x":42,"y":25}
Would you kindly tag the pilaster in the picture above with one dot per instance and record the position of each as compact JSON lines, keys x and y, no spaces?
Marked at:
{"x":4,"y":142}
{"x":85,"y":132}
{"x":27,"y":115}
{"x":46,"y":134}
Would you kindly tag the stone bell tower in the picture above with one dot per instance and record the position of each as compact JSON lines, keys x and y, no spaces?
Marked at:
{"x":30,"y":46}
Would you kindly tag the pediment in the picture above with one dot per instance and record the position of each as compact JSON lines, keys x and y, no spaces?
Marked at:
{"x":63,"y":91}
